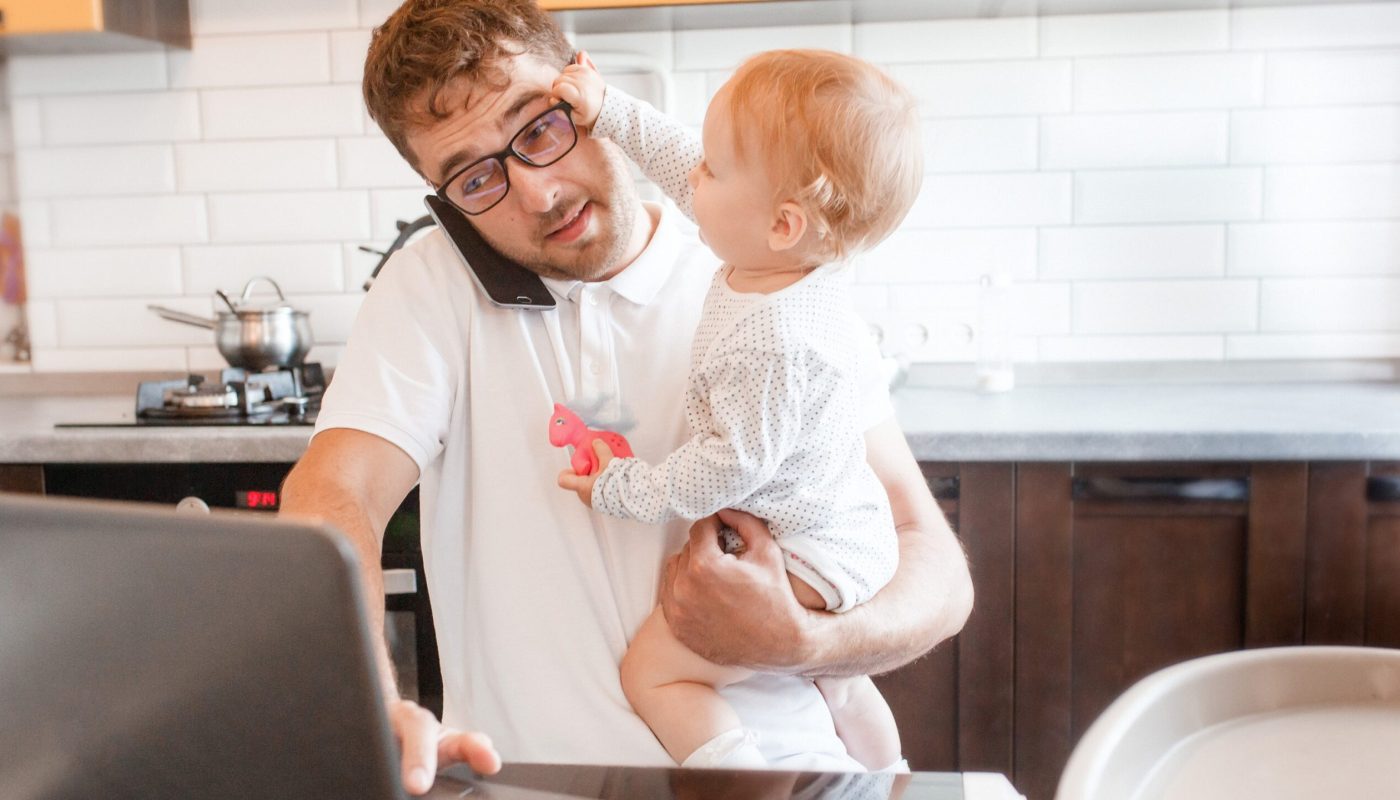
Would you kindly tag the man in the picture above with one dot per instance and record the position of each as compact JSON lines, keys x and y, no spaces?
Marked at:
{"x":534,"y":596}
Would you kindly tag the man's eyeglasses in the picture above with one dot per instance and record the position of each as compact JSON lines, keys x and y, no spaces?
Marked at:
{"x":480,"y":185}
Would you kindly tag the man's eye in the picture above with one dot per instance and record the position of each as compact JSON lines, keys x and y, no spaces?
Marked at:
{"x":537,"y":131}
{"x":473,"y":183}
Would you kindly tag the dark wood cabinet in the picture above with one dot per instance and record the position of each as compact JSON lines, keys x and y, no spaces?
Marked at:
{"x":1354,"y":554}
{"x":954,"y":706}
{"x":1089,"y":577}
{"x":26,"y":478}
{"x":1123,"y":569}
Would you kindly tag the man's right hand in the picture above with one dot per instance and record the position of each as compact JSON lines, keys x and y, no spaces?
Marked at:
{"x":735,"y":610}
{"x":427,"y":746}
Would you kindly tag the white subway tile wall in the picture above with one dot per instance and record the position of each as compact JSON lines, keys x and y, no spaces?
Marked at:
{"x":264,"y":60}
{"x":104,"y":272}
{"x":246,"y":166}
{"x":1193,"y":185}
{"x":299,"y":268}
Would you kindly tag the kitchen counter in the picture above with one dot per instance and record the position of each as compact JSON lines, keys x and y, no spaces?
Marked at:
{"x":1140,"y":413}
{"x":28,"y":435}
{"x":1206,"y":422}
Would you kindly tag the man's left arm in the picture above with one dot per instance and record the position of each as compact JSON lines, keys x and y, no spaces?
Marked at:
{"x":740,"y":610}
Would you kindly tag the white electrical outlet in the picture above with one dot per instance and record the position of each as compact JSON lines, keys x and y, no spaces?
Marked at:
{"x":939,"y":334}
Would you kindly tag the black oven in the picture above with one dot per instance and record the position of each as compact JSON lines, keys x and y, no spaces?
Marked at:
{"x":408,"y":620}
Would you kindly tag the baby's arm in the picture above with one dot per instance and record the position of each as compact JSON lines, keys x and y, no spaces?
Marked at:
{"x":755,"y":412}
{"x":665,"y":150}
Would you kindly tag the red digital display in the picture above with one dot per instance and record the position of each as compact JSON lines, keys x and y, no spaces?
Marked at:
{"x":255,"y":499}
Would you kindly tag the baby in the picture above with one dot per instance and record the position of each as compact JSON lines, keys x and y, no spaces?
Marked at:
{"x":808,"y":158}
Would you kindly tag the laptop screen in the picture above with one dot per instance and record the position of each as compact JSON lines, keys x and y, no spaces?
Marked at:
{"x":145,"y":653}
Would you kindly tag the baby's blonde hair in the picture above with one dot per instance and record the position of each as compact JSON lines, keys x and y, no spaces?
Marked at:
{"x":837,"y":135}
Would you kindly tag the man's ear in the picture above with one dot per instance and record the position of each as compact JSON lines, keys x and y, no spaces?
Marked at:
{"x":789,"y":226}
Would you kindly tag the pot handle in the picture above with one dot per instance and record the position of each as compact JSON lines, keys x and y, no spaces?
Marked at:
{"x":248,"y":288}
{"x":180,"y":316}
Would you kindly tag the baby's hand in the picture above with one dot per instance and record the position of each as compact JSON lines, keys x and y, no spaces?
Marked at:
{"x":582,"y":485}
{"x":581,"y":86}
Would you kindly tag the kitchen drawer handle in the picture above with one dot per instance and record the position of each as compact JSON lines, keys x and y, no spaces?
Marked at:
{"x":1203,"y":489}
{"x":1383,"y":488}
{"x":945,"y":488}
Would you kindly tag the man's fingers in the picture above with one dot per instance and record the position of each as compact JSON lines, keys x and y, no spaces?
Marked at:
{"x":672,"y":565}
{"x":668,"y":586}
{"x":704,"y":540}
{"x":427,"y":745}
{"x":473,"y":749}
{"x":417,"y":731}
{"x":680,"y":562}
{"x":751,"y":529}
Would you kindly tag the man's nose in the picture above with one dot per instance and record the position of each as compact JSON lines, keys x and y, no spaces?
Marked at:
{"x":536,"y":188}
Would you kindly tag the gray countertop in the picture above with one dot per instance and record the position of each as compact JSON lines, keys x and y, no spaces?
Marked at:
{"x":28,"y":435}
{"x":1209,"y":422}
{"x":1084,"y":418}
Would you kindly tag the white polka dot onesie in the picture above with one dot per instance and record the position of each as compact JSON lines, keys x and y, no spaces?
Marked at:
{"x":771,"y":404}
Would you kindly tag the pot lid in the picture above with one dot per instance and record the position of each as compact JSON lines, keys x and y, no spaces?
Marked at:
{"x":247,"y":303}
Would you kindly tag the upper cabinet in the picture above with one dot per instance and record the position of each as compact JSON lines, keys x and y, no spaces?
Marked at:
{"x":620,"y":16}
{"x":84,"y":26}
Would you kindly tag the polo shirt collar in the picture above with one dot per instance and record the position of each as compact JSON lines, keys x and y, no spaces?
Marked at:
{"x":640,"y":281}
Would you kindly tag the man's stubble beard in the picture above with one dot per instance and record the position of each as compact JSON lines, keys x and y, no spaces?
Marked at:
{"x":603,"y":255}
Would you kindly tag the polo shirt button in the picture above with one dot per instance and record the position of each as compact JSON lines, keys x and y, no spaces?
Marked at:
{"x":592,"y":299}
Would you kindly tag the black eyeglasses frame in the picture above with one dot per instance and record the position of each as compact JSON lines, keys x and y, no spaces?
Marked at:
{"x":507,"y":152}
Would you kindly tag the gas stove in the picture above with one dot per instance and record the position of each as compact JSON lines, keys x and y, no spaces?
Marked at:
{"x":290,"y":396}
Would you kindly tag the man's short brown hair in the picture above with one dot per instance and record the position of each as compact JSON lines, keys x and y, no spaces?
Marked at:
{"x":427,"y":44}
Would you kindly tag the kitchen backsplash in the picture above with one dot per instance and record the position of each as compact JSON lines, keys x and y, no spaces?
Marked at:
{"x":1193,"y":185}
{"x":12,"y":329}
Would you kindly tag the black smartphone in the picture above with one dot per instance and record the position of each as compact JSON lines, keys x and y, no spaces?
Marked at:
{"x":505,"y":282}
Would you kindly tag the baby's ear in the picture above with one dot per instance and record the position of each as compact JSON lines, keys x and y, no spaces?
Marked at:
{"x":789,"y":226}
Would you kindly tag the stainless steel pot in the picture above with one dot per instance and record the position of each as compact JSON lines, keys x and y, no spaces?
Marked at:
{"x":251,"y":336}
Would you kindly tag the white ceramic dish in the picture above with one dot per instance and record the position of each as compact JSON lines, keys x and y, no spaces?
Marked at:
{"x":1281,"y":723}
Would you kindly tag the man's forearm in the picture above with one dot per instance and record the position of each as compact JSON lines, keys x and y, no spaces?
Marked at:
{"x":926,"y":602}
{"x":306,"y":498}
{"x":928,"y":599}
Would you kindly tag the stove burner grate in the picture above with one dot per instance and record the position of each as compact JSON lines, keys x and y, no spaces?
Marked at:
{"x":278,"y":396}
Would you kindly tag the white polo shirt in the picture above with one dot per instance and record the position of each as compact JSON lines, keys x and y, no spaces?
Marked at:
{"x":534,"y":596}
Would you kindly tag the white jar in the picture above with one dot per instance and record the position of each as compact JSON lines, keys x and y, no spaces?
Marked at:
{"x":995,"y":372}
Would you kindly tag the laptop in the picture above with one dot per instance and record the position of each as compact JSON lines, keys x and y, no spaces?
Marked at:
{"x":145,"y":653}
{"x":150,"y":654}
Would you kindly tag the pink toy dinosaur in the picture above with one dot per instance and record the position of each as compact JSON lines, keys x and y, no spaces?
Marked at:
{"x":565,"y":428}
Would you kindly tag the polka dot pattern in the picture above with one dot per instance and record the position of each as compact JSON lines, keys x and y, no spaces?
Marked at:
{"x":772,"y":410}
{"x":772,"y":406}
{"x":662,"y":148}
